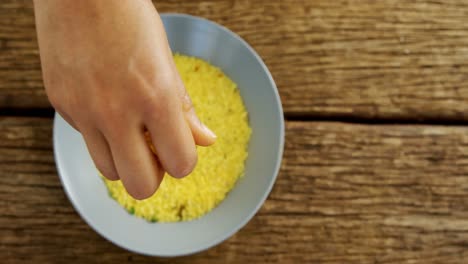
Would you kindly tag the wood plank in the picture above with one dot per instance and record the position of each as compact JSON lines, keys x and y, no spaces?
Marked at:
{"x":390,"y":59}
{"x":346,"y":194}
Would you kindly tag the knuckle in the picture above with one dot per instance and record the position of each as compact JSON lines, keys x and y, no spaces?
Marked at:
{"x":155,"y":110}
{"x":108,"y":109}
{"x":187,"y":104}
{"x":108,"y":116}
{"x":165,"y":87}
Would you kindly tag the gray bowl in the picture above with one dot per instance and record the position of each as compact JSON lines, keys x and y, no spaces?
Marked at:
{"x":204,"y":39}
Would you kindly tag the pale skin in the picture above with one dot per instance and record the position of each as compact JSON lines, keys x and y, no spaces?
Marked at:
{"x":108,"y":70}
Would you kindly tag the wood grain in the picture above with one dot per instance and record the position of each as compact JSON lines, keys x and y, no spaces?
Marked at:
{"x":346,"y":194}
{"x":391,"y":59}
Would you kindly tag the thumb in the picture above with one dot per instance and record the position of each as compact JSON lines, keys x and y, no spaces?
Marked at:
{"x":202,"y":135}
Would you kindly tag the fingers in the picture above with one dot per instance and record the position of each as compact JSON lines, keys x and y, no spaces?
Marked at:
{"x":100,"y":153}
{"x":136,"y":165}
{"x":172,"y":137}
{"x":202,"y":135}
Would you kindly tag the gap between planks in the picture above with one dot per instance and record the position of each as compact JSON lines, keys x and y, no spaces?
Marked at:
{"x":49,"y":113}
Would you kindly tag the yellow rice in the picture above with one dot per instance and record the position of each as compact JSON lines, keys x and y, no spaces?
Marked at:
{"x":218,"y":104}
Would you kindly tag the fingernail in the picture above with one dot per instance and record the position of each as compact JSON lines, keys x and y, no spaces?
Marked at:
{"x":208,"y":131}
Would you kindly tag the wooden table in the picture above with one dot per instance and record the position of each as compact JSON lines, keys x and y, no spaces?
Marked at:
{"x":375,"y":168}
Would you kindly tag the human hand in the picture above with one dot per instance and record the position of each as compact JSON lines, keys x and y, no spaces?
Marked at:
{"x":108,"y":70}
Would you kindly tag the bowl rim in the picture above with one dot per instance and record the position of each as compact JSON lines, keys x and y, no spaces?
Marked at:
{"x":241,"y":224}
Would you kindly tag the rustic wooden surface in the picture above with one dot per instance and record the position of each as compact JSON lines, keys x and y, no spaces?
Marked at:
{"x":346,"y":194}
{"x":403,"y":60}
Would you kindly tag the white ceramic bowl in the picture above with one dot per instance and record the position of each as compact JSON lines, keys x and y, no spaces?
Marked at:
{"x":204,"y":39}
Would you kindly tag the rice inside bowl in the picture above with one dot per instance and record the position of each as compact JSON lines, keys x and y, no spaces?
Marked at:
{"x":219,"y":105}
